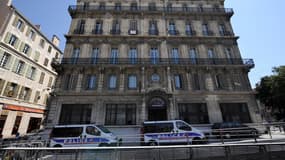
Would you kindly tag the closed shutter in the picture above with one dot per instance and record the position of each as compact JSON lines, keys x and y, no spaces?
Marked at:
{"x":37,"y":56}
{"x":35,"y":74}
{"x":22,"y":47}
{"x":15,"y":21}
{"x":29,"y":95}
{"x":15,"y":65}
{"x":29,"y":52}
{"x":7,"y":38}
{"x":74,"y":82}
{"x":29,"y":70}
{"x":37,"y":97}
{"x":1,"y":54}
{"x":24,"y":69}
{"x":7,"y":89}
{"x":28,"y":31}
{"x":23,"y":27}
{"x":9,"y":62}
{"x":17,"y":43}
{"x":50,"y":82}
{"x":2,"y":82}
{"x":16,"y":91}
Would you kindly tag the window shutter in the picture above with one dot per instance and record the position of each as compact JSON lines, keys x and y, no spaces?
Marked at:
{"x":74,"y":82}
{"x":37,"y":56}
{"x":7,"y":38}
{"x":22,"y":47}
{"x":15,"y":21}
{"x":29,"y":69}
{"x":34,"y":36}
{"x":29,"y":52}
{"x":28,"y":31}
{"x":34,"y":75}
{"x":15,"y":65}
{"x":2,"y":82}
{"x":16,"y":91}
{"x":9,"y":62}
{"x":1,"y":53}
{"x":23,"y":27}
{"x":7,"y":88}
{"x":24,"y":69}
{"x":17,"y":43}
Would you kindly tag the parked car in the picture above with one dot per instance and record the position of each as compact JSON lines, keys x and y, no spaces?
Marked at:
{"x":87,"y":135}
{"x":233,"y":130}
{"x":170,"y":132}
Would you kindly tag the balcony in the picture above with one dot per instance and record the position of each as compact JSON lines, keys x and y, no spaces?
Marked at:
{"x":190,"y":33}
{"x":158,"y":61}
{"x":115,"y":31}
{"x":73,"y":9}
{"x":97,"y":31}
{"x":78,"y":31}
{"x":173,"y":32}
{"x":153,"y":32}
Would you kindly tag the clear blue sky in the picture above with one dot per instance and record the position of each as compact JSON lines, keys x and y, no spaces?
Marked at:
{"x":259,"y":23}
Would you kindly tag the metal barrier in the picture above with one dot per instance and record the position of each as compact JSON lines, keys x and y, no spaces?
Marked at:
{"x":264,"y":151}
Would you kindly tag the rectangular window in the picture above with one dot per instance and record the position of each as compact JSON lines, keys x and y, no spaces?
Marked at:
{"x":42,"y":43}
{"x":5,"y":58}
{"x":112,"y":82}
{"x":172,"y":29}
{"x":205,"y":30}
{"x":25,"y":93}
{"x":98,"y":27}
{"x":118,"y":6}
{"x":75,"y":114}
{"x":178,"y":81}
{"x":133,"y":27}
{"x":19,"y":24}
{"x":12,"y":90}
{"x":153,"y":30}
{"x":42,"y":77}
{"x":189,"y":30}
{"x":70,"y":82}
{"x":193,"y":56}
{"x":50,"y":82}
{"x":75,"y":55}
{"x":229,"y":56}
{"x":133,"y":55}
{"x":26,"y":49}
{"x":197,"y":81}
{"x":175,"y":55}
{"x":222,"y":30}
{"x":31,"y":73}
{"x":31,"y":34}
{"x":16,"y":125}
{"x":13,"y":39}
{"x":102,"y":6}
{"x":120,"y":114}
{"x":235,"y":112}
{"x":115,"y":27}
{"x":37,"y":97}
{"x":19,"y":67}
{"x":46,"y":62}
{"x":49,"y":49}
{"x":91,"y":82}
{"x":154,"y":55}
{"x":95,"y":55}
{"x":132,"y":82}
{"x":114,"y":55}
{"x":134,"y":7}
{"x":152,"y":7}
{"x":193,"y":113}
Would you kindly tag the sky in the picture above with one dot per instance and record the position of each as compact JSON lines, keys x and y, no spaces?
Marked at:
{"x":260,"y":25}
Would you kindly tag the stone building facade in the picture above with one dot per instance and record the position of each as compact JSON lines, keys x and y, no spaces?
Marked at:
{"x":26,"y":75}
{"x":132,"y":61}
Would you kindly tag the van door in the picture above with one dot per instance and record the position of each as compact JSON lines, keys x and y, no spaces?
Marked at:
{"x":184,"y":133}
{"x":93,"y":137}
{"x":165,"y":132}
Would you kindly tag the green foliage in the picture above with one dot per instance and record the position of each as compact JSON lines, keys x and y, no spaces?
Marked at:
{"x":271,"y":92}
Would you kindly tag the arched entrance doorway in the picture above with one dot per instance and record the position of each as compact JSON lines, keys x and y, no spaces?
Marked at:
{"x":157,"y":109}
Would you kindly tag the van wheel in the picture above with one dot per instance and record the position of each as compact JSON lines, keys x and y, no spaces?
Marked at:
{"x":197,"y":141}
{"x":152,"y":143}
{"x":57,"y":146}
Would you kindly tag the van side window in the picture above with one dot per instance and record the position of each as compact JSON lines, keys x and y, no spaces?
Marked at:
{"x":67,"y":132}
{"x":93,"y":131}
{"x":158,"y":127}
{"x":183,"y":126}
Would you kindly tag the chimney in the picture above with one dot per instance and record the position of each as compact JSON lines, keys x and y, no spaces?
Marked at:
{"x":55,"y":40}
{"x":9,"y":2}
{"x":38,"y":26}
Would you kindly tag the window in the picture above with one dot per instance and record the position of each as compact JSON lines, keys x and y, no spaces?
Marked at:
{"x":98,"y":27}
{"x":112,"y":82}
{"x":19,"y":67}
{"x":169,"y":7}
{"x":19,"y":24}
{"x":229,"y":56}
{"x":183,"y":126}
{"x":75,"y":114}
{"x":189,"y":30}
{"x":31,"y":73}
{"x":205,"y":29}
{"x":102,"y":6}
{"x":50,"y":81}
{"x":67,"y":132}
{"x":222,"y":29}
{"x":132,"y":82}
{"x":16,"y":125}
{"x":26,"y":49}
{"x":91,"y":82}
{"x":133,"y":55}
{"x":175,"y":55}
{"x":172,"y":28}
{"x":118,"y":6}
{"x":155,"y":77}
{"x":94,"y":55}
{"x":80,"y":27}
{"x":220,"y":81}
{"x":239,"y":82}
{"x":42,"y":43}
{"x":153,"y":28}
{"x":12,"y":88}
{"x":37,"y":97}
{"x":158,"y":127}
{"x":193,"y":113}
{"x":211,"y":56}
{"x":178,"y":81}
{"x":120,"y":114}
{"x":25,"y":94}
{"x":133,"y":27}
{"x":31,"y":34}
{"x":134,"y":6}
{"x":69,"y":82}
{"x":49,"y":49}
{"x":75,"y":55}
{"x":184,"y":7}
{"x":46,"y":62}
{"x":56,"y":55}
{"x":198,"y":81}
{"x":42,"y":77}
{"x":152,"y":6}
{"x":114,"y":56}
{"x":235,"y":112}
{"x":13,"y":40}
{"x":4,"y":60}
{"x":154,"y":55}
{"x":115,"y":27}
{"x":93,"y":131}
{"x":193,"y":56}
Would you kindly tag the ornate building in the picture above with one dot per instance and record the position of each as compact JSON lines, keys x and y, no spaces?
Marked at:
{"x":131,"y":61}
{"x":26,"y":75}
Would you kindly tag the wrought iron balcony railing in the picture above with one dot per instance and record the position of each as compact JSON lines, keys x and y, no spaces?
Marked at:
{"x":81,"y":8}
{"x":155,"y":61}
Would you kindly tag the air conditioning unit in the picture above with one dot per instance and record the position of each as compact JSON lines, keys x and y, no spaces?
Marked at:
{"x":133,"y":32}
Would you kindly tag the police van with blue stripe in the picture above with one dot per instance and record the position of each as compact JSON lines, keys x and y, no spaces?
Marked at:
{"x":171,"y":132}
{"x":88,"y":135}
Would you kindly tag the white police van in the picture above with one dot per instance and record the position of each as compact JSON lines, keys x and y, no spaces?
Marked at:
{"x":87,"y":135}
{"x":171,"y":132}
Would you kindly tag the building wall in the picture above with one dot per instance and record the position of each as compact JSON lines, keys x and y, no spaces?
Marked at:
{"x":24,"y":89}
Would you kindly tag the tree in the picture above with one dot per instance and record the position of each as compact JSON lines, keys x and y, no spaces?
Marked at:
{"x":271,"y":92}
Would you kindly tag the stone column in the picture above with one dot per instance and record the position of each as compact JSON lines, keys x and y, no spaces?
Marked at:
{"x":143,"y":80}
{"x":122,"y":81}
{"x":9,"y":124}
{"x":214,"y":110}
{"x":172,"y":112}
{"x":144,"y":113}
{"x":188,"y":78}
{"x":79,"y":83}
{"x":209,"y":82}
{"x":169,"y":80}
{"x":101,"y":80}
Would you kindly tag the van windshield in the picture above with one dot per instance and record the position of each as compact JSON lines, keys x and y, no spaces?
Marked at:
{"x":103,"y":129}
